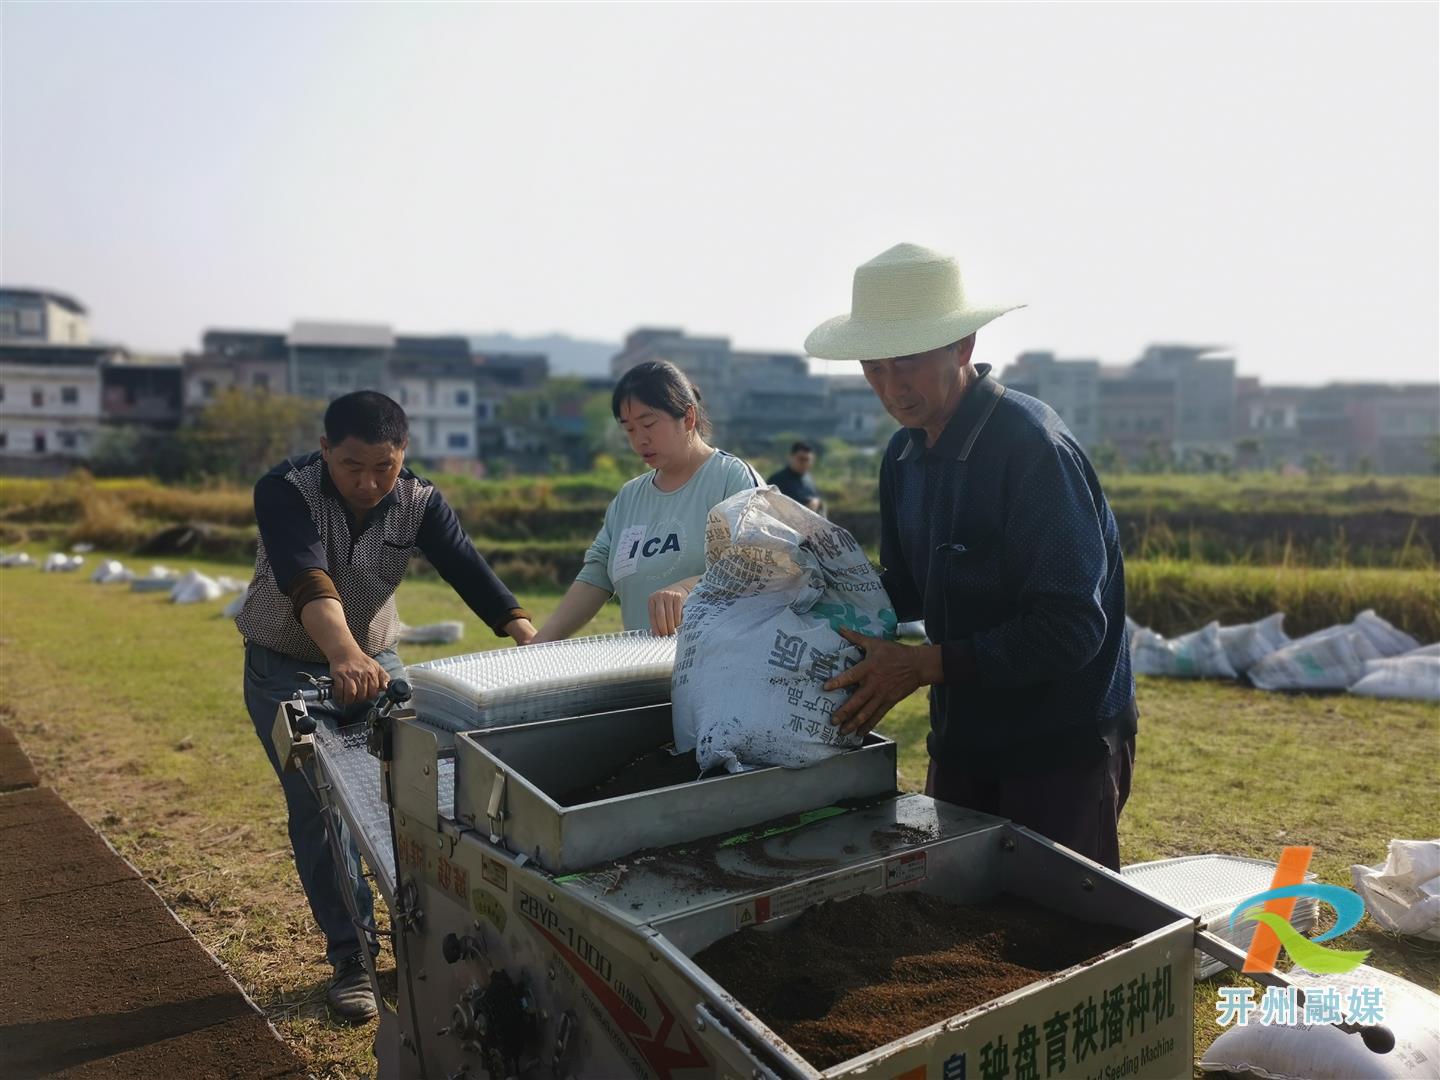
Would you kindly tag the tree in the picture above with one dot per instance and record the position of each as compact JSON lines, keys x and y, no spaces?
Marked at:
{"x":1317,"y":465}
{"x":570,"y":418}
{"x":242,"y":434}
{"x":117,"y":452}
{"x":1106,"y":458}
{"x":1159,"y":457}
{"x":1249,"y":451}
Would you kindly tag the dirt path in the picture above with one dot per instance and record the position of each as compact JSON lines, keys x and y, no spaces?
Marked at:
{"x":97,"y":977}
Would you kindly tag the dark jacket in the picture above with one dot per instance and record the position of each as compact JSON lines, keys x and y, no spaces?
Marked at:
{"x":799,"y":486}
{"x":1001,"y":539}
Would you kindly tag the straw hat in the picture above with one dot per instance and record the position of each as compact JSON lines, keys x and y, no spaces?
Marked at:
{"x":905,"y":301}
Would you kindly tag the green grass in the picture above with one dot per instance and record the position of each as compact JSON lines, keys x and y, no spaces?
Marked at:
{"x":130,"y":706}
{"x":1177,"y":597}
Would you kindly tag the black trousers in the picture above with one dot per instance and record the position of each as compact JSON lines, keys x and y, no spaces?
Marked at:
{"x":1077,"y":806}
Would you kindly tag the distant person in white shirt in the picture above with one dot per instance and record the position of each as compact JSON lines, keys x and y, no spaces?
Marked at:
{"x":651,"y":549}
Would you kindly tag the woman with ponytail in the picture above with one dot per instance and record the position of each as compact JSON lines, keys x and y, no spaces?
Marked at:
{"x":650,"y":551}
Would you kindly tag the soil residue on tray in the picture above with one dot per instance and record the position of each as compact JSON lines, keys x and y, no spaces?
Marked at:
{"x":658,"y":768}
{"x":852,"y":975}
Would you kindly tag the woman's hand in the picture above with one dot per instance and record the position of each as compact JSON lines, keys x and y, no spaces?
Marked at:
{"x":522,"y":630}
{"x":667,"y":607}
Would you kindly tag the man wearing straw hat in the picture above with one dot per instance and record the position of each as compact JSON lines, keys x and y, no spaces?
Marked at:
{"x":995,"y":531}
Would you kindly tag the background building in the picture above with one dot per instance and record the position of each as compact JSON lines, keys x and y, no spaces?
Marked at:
{"x":433,"y":379}
{"x":1070,"y":387}
{"x":236,"y":359}
{"x":50,"y":404}
{"x":39,"y":316}
{"x":755,"y":397}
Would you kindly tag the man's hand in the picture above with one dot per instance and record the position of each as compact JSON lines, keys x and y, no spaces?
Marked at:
{"x":357,"y":677}
{"x":522,"y":630}
{"x":667,"y":607}
{"x":888,"y":675}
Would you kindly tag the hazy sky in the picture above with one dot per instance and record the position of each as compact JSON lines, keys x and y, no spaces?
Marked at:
{"x":1259,"y":177}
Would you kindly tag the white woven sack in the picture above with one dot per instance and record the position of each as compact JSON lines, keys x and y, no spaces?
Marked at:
{"x":111,"y":570}
{"x":759,"y":636}
{"x":1332,"y":659}
{"x":440,"y":633}
{"x":195,"y":588}
{"x":1403,"y":896}
{"x":237,"y":602}
{"x":1197,"y":655}
{"x":1248,"y":644}
{"x":1324,"y":1052}
{"x":1409,"y":677}
{"x":1387,"y":640}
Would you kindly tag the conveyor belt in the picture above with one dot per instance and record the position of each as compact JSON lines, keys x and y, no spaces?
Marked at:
{"x":354,"y":778}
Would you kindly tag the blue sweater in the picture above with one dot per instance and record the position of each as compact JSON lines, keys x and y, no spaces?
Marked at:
{"x":1001,"y":539}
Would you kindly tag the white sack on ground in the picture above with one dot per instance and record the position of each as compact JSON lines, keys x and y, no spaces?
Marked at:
{"x":16,"y":558}
{"x":1388,"y":641}
{"x":1330,"y":659}
{"x":1248,"y":644}
{"x":232,"y":609}
{"x":230,"y":584}
{"x":440,"y":633}
{"x":1410,"y":677}
{"x":1425,"y":650}
{"x":1323,"y":1052}
{"x":158,"y":579}
{"x":1403,"y":896}
{"x":111,"y":570}
{"x":195,"y":588}
{"x":1197,"y":655}
{"x":57,"y":563}
{"x":760,"y":635}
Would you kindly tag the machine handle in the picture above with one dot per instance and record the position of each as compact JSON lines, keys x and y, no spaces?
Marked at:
{"x":495,"y":808}
{"x":1377,"y":1038}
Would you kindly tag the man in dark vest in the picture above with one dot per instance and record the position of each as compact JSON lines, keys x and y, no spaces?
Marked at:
{"x":337,"y":530}
{"x":995,"y":531}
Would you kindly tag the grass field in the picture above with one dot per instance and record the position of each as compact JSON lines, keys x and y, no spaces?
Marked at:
{"x":1247,"y":518}
{"x":130,"y":706}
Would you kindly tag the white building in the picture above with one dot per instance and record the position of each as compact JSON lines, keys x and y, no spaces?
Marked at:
{"x":39,"y":316}
{"x":433,"y":379}
{"x":50,"y":402}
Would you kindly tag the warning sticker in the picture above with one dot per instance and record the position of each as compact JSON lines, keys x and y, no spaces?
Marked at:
{"x":487,"y":907}
{"x":907,"y":868}
{"x":797,"y":898}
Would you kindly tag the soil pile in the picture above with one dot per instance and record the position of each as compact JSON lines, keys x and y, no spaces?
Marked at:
{"x":848,"y":976}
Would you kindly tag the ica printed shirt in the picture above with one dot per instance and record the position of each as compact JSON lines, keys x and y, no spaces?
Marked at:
{"x":653,"y":538}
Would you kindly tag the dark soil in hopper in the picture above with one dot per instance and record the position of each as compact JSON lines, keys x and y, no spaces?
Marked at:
{"x":852,"y":975}
{"x":657,"y":768}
